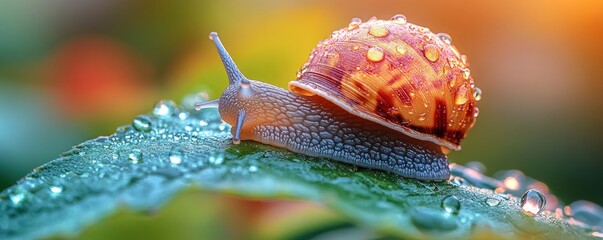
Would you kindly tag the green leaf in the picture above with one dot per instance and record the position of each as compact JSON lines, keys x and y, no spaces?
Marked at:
{"x":143,"y":165}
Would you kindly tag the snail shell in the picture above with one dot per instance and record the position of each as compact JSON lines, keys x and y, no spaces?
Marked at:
{"x":397,"y":74}
{"x":384,"y":94}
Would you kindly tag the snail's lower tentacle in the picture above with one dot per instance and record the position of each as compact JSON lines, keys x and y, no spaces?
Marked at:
{"x":237,"y":131}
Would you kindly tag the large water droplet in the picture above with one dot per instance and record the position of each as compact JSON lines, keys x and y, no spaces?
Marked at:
{"x":399,"y":19}
{"x":164,"y":108}
{"x":176,"y":155}
{"x":492,"y":202}
{"x":375,"y":54}
{"x":378,"y":31}
{"x":432,"y":219}
{"x":532,"y":202}
{"x":461,"y":95}
{"x":135,"y":156}
{"x":451,"y":205}
{"x":431,"y":52}
{"x":354,"y":23}
{"x":142,"y":123}
{"x":445,"y":37}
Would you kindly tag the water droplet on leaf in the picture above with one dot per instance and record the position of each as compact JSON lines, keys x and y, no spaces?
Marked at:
{"x":532,"y":202}
{"x":135,"y":156}
{"x":451,"y":204}
{"x":164,"y":108}
{"x":445,"y":37}
{"x":142,"y":123}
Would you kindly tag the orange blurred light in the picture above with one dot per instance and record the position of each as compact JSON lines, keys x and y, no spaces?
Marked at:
{"x":511,"y":183}
{"x":94,"y":76}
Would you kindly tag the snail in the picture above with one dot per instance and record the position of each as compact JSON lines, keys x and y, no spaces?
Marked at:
{"x":380,"y":94}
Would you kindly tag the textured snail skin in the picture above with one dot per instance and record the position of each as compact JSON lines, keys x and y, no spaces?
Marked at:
{"x":314,"y":126}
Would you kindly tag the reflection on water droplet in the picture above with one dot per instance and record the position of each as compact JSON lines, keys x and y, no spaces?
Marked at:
{"x":378,"y":31}
{"x":431,"y":52}
{"x":222,"y":127}
{"x":445,"y":37}
{"x":375,"y":54}
{"x":466,"y":73}
{"x":354,"y":23}
{"x":135,"y":156}
{"x":183,"y":115}
{"x":401,"y":49}
{"x":422,"y":117}
{"x":202,"y":123}
{"x":164,"y":108}
{"x":476,"y":112}
{"x":461,"y":95}
{"x":492,"y":202}
{"x":477,"y":94}
{"x":399,"y":19}
{"x":451,"y":205}
{"x":142,"y":123}
{"x":17,"y":198}
{"x":56,"y":189}
{"x":532,"y":202}
{"x":176,"y":155}
{"x":253,"y":169}
{"x":216,"y":158}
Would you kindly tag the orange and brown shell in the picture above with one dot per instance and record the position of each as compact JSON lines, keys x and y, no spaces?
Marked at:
{"x":398,"y":74}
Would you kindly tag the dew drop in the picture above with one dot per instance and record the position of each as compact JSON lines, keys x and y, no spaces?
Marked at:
{"x":355,"y":47}
{"x":445,"y":37}
{"x":375,"y":54}
{"x":476,"y":112}
{"x":422,"y":117}
{"x":176,"y":155}
{"x":56,"y":189}
{"x":17,"y":198}
{"x":183,"y":115}
{"x":431,"y":52}
{"x":164,"y":108}
{"x":492,"y":202}
{"x":135,"y":156}
{"x":203,"y":123}
{"x":354,"y":23}
{"x":399,"y":19}
{"x":477,"y":94}
{"x":532,"y":202}
{"x":461,"y":96}
{"x":216,"y":158}
{"x":378,"y":31}
{"x":142,"y":123}
{"x":477,"y":166}
{"x":466,"y":73}
{"x":451,"y":205}
{"x":432,"y":219}
{"x":401,"y":49}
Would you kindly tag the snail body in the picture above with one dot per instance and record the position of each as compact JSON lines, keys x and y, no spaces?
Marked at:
{"x":387,"y":95}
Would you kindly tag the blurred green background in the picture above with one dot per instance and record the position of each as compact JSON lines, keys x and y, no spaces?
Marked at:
{"x":73,"y":70}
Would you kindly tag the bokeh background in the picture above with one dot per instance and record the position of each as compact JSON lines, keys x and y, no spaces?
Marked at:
{"x":71,"y":70}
